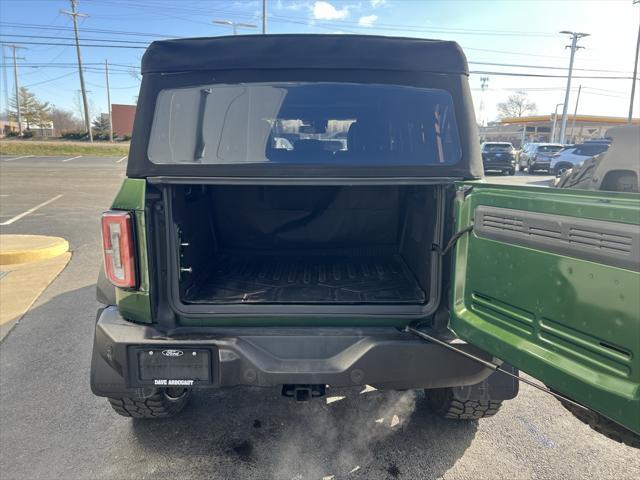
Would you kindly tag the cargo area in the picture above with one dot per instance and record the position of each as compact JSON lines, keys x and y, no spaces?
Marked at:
{"x":271,"y":244}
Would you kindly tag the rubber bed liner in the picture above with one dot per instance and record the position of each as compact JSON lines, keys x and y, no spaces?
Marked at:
{"x":308,"y":279}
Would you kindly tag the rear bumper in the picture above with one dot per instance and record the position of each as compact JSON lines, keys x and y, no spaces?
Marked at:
{"x":541,"y":165}
{"x":499,"y":165}
{"x":379,"y":356}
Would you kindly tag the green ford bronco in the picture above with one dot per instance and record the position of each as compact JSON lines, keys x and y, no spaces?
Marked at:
{"x":308,"y":211}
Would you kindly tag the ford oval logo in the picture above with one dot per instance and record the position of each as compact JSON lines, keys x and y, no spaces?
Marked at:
{"x":172,"y":353}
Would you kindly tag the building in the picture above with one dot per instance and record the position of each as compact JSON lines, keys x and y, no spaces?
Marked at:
{"x":7,"y":126}
{"x":546,"y":128}
{"x":123,"y":116}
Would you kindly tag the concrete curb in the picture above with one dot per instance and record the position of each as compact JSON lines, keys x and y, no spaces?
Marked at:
{"x":30,"y":248}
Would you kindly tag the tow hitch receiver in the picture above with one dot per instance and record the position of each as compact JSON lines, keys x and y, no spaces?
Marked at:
{"x":302,"y":393}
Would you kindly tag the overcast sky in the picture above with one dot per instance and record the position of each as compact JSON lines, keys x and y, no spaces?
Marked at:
{"x":508,"y":32}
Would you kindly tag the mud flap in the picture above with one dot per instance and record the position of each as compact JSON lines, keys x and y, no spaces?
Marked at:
{"x":496,"y":386}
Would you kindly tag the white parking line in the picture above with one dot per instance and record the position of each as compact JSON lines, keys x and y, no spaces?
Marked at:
{"x":123,"y":158}
{"x":72,"y":158}
{"x":31,"y":210}
{"x":17,"y":158}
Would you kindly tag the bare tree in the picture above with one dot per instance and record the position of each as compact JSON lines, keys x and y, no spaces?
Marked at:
{"x":517,"y":105}
{"x":79,"y":107}
{"x":64,"y":120}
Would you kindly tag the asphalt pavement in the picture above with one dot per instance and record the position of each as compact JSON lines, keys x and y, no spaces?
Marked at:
{"x":51,"y":426}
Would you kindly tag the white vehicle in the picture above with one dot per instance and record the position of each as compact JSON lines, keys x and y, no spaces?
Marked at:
{"x":575,"y":155}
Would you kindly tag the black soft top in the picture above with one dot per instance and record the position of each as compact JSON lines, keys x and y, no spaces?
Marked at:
{"x":300,"y":51}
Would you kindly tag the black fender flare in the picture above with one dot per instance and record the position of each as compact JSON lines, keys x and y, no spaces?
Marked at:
{"x":105,"y":291}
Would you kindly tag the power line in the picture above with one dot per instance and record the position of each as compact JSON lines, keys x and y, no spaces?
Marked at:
{"x":539,"y":75}
{"x":49,"y":80}
{"x":339,"y":24}
{"x":90,"y":30}
{"x":71,"y":38}
{"x":545,"y":67}
{"x":81,"y":45}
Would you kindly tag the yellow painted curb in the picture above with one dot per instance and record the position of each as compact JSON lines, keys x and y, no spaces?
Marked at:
{"x":29,"y":248}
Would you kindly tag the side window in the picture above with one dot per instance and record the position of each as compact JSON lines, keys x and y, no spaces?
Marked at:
{"x":590,"y":150}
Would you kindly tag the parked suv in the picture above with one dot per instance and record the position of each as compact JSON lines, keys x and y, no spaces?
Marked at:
{"x":575,"y":155}
{"x":241,"y":260}
{"x":537,"y":156}
{"x":499,"y":156}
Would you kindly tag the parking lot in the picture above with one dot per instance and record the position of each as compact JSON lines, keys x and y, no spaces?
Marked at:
{"x":51,"y":426}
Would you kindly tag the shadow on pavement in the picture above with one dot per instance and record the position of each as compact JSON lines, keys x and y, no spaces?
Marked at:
{"x":243,"y":432}
{"x":258,"y":433}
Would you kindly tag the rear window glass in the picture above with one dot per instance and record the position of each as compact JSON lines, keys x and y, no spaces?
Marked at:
{"x":304,"y":123}
{"x":550,"y":148}
{"x":497,"y":147}
{"x":591,"y":149}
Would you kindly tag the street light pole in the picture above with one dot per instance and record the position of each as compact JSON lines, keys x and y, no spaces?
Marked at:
{"x":234,"y":25}
{"x":555,"y":123}
{"x":74,"y":15}
{"x":264,"y":17}
{"x":575,"y":36}
{"x":635,"y":74}
{"x":484,"y":84}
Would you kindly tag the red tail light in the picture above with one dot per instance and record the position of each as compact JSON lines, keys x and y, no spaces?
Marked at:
{"x":118,"y":248}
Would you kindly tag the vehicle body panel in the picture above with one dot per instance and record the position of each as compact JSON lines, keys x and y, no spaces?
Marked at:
{"x":135,"y":303}
{"x":560,"y":314}
{"x":575,"y":156}
{"x":381,"y":356}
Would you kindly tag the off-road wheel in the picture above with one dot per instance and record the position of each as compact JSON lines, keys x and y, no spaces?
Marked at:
{"x":511,"y":171}
{"x":604,"y":426}
{"x":444,"y":402}
{"x":165,"y":402}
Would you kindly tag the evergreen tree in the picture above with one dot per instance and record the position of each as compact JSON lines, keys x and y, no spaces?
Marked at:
{"x":33,"y":111}
{"x":100,"y":124}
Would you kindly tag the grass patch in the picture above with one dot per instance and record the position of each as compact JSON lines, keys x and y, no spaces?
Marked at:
{"x":58,"y":147}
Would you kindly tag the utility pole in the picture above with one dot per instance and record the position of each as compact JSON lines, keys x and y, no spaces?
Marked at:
{"x":575,"y":36}
{"x":5,"y":82}
{"x":74,"y":14}
{"x":15,"y":47}
{"x":575,"y":112}
{"x":555,"y":123}
{"x":635,"y":74}
{"x":106,"y":71}
{"x":234,"y":25}
{"x":264,"y":17}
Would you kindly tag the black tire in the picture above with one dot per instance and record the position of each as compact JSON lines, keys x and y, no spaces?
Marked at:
{"x":604,"y":426}
{"x":163,"y":403}
{"x":561,"y":169}
{"x":512,"y":171}
{"x":445,"y":403}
